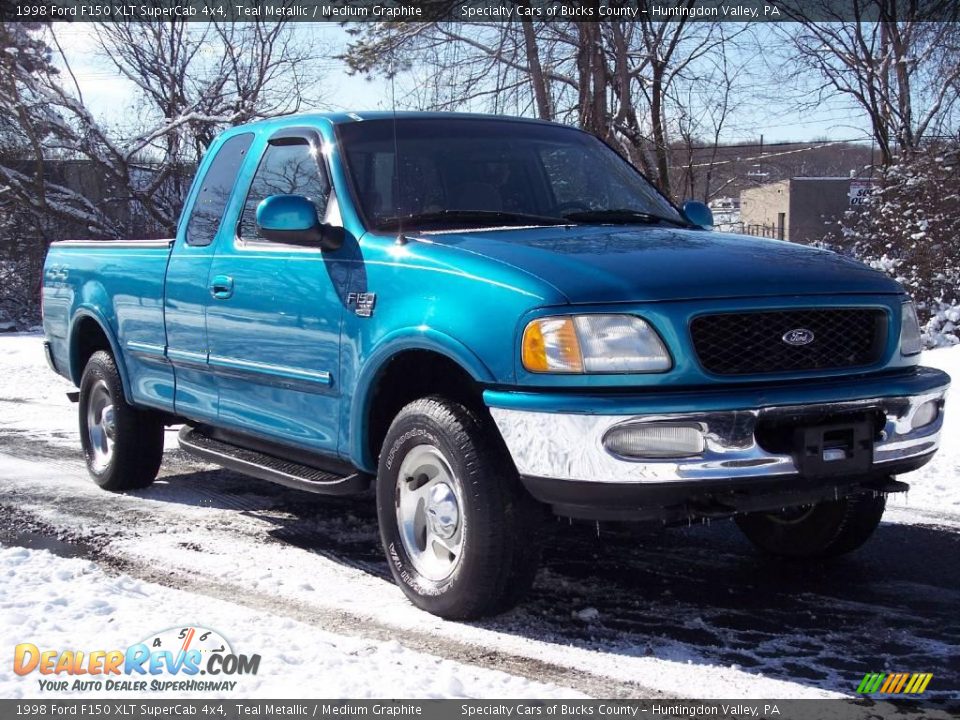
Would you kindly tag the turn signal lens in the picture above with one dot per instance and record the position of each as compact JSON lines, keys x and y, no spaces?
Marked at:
{"x":550,"y":345}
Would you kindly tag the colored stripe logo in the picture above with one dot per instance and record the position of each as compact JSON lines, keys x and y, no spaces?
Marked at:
{"x":895,"y":683}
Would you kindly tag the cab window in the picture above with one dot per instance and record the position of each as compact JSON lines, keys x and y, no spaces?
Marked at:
{"x":288,"y":168}
{"x":215,"y":190}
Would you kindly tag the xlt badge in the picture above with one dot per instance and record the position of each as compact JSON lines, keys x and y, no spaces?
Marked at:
{"x":362,"y":303}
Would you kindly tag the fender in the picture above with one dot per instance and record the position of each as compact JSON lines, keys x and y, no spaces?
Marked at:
{"x":396,"y":342}
{"x":87,"y":310}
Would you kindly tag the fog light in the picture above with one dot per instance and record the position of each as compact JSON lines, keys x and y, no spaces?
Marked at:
{"x":654,"y":440}
{"x":925,"y":414}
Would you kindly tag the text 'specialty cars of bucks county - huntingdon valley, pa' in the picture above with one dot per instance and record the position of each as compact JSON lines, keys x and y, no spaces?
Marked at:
{"x":491,"y":320}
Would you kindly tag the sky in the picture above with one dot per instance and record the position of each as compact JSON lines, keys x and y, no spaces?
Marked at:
{"x":108,"y":95}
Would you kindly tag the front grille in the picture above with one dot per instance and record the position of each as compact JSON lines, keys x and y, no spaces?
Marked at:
{"x":752,"y":342}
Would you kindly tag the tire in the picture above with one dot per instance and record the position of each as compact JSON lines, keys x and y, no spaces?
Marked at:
{"x":824,"y":530}
{"x":477,"y":557}
{"x":123,"y":446}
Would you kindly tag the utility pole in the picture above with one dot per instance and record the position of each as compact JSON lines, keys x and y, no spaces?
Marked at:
{"x":761,"y":154}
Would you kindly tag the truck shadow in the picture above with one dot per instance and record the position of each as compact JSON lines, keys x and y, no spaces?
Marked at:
{"x":700,"y":595}
{"x":704,"y":595}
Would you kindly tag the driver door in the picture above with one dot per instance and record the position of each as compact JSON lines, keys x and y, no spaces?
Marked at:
{"x":274,"y":312}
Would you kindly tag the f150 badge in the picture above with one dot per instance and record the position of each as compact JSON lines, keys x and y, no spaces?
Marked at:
{"x":362,"y":303}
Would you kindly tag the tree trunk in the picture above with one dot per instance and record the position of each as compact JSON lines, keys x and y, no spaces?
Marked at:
{"x":592,"y":80}
{"x":659,"y":132}
{"x":540,"y":93}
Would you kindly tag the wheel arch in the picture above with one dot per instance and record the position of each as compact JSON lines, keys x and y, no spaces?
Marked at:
{"x":427,"y":362}
{"x":89,"y":333}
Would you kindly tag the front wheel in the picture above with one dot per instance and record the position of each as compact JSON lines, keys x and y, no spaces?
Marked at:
{"x":123,"y":446}
{"x":825,"y":529}
{"x":460,"y":533}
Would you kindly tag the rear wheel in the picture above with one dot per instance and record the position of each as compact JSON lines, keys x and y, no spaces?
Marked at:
{"x":461,"y":534}
{"x":123,"y":446}
{"x":825,"y":529}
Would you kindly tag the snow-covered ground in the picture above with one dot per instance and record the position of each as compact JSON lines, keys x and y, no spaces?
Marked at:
{"x":300,"y":580}
{"x":935,"y":488}
{"x":63,"y":604}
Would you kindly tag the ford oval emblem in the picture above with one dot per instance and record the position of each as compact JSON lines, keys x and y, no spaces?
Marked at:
{"x":798,"y":337}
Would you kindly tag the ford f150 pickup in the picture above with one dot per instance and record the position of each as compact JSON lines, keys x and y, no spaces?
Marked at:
{"x":489,"y":318}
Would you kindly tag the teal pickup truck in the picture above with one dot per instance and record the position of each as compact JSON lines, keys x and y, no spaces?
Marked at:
{"x":490,"y":318}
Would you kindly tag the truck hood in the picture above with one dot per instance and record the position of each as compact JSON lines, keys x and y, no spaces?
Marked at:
{"x":650,"y":264}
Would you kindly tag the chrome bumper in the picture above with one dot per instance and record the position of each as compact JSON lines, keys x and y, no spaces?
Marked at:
{"x":566,"y":446}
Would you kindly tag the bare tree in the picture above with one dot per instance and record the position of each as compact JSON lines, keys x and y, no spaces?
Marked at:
{"x":25,"y":122}
{"x":29,"y":120}
{"x":191,"y":81}
{"x":618,"y":79}
{"x":63,"y":172}
{"x":678,"y":54}
{"x":196,"y":80}
{"x":897,"y":60}
{"x":703,"y":113}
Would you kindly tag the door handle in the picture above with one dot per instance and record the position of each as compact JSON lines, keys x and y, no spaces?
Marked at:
{"x":222,"y":287}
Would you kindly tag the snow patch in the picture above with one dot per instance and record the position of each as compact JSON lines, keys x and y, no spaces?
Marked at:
{"x":70,"y":604}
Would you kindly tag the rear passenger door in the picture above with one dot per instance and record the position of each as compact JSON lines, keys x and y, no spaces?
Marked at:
{"x":274,"y":325}
{"x":186,"y":290}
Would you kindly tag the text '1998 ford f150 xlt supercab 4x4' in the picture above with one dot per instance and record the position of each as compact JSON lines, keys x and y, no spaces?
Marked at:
{"x":489,"y":318}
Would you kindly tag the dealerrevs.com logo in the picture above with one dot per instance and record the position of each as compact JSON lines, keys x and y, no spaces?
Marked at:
{"x":183,"y":659}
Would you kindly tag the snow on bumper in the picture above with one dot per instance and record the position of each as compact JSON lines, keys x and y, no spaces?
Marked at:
{"x":570,"y":446}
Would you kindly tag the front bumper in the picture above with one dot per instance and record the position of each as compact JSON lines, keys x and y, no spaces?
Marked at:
{"x":562,"y":439}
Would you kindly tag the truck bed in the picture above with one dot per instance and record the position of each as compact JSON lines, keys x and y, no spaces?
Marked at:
{"x":120,"y":285}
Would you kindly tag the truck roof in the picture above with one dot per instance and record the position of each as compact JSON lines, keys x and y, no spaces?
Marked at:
{"x":353,"y":116}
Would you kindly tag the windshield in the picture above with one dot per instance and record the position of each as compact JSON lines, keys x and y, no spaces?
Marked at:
{"x":474,"y":173}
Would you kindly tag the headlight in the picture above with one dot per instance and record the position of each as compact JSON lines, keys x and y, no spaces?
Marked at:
{"x":593,"y":344}
{"x":910,"y":340}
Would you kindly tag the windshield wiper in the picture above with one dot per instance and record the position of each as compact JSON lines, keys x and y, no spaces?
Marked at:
{"x":622,"y":216}
{"x":474,"y":217}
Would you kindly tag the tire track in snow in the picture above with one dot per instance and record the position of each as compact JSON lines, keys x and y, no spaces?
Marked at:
{"x":38,"y":513}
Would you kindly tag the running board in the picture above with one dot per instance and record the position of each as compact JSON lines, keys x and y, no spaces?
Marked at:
{"x":267,"y":467}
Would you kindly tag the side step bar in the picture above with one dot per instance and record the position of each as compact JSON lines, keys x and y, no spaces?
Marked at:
{"x":267,"y":467}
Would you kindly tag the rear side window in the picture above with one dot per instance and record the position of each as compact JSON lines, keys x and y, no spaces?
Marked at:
{"x":288,"y":168}
{"x":215,"y":190}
